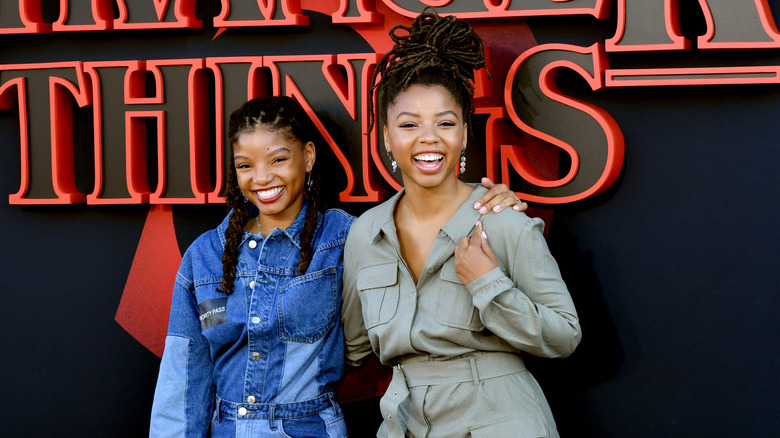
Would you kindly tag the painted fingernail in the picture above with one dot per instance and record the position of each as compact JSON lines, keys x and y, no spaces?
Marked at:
{"x":483,"y":210}
{"x":477,"y":205}
{"x":497,"y":208}
{"x":484,"y":235}
{"x":516,"y":207}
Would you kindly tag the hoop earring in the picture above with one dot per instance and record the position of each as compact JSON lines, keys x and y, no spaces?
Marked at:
{"x":392,"y":161}
{"x":462,"y":162}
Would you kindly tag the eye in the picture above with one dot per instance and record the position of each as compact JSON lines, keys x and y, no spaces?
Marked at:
{"x":446,"y":123}
{"x":408,"y":125}
{"x":242,"y":166}
{"x":279,"y":159}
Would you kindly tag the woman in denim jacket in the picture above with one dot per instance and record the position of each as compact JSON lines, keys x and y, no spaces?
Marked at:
{"x":255,"y":346}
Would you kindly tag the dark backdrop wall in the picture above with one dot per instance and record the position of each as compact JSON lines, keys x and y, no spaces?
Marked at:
{"x":674,"y":269}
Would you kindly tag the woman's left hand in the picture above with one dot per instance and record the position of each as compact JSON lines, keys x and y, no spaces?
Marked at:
{"x":498,"y":198}
{"x":473,"y":256}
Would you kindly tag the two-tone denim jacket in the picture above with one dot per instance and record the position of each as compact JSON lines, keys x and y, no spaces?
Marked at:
{"x":274,"y":348}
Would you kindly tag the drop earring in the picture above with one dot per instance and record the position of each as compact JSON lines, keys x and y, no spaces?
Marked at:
{"x":462,"y":162}
{"x":392,"y":161}
{"x":309,"y":182}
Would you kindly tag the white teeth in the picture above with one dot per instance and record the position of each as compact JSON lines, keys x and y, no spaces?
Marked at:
{"x":270,"y":193}
{"x":429,"y":157}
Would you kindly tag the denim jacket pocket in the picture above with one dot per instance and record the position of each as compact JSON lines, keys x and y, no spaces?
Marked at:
{"x":455,"y":305}
{"x":299,"y":320}
{"x":379,"y":293}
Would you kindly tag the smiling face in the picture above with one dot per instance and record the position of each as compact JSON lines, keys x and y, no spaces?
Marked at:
{"x":425,"y":132}
{"x":271,"y":171}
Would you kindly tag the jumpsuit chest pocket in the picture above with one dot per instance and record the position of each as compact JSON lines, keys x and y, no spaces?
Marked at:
{"x":379,"y":293}
{"x":308,"y":306}
{"x":455,"y":305}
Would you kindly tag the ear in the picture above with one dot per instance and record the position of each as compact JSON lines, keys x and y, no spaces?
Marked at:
{"x":310,"y":155}
{"x":387,"y":140}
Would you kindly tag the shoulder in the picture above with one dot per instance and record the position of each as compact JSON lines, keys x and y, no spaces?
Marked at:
{"x":337,"y":221}
{"x":510,"y":223}
{"x":368,"y":222}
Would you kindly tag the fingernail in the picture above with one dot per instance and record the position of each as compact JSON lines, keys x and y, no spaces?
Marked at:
{"x":476,"y":223}
{"x":516,"y":207}
{"x":497,"y":208}
{"x":477,"y":205}
{"x":483,"y":210}
{"x":484,"y":235}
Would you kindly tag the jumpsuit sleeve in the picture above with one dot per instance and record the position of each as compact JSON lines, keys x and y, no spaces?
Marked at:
{"x":184,"y":396}
{"x":358,"y":346}
{"x":528,"y":306}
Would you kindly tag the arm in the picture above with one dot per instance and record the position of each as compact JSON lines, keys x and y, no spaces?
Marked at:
{"x":358,"y":346}
{"x":529,"y":306}
{"x":498,"y":198}
{"x":183,"y":398}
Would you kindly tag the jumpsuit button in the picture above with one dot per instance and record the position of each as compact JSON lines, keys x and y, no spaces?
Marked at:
{"x":430,"y":270}
{"x":255,"y":320}
{"x":251,"y":399}
{"x":395,"y":394}
{"x":252,"y":244}
{"x":242,"y":411}
{"x":255,"y":356}
{"x":252,"y":284}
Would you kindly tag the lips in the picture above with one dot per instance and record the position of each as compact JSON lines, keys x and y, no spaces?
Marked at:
{"x":269,"y":195}
{"x":429,"y":162}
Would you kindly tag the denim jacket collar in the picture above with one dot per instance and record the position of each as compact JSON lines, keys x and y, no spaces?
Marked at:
{"x":293,"y":232}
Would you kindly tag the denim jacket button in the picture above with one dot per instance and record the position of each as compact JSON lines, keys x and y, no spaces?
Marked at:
{"x":255,"y":356}
{"x":242,"y":411}
{"x":251,"y":399}
{"x":255,"y":320}
{"x":252,"y":284}
{"x":252,"y":244}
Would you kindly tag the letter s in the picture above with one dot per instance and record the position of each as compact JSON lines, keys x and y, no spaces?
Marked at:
{"x":588,"y":134}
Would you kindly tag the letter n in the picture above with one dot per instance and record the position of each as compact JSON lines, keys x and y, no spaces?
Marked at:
{"x":332,"y":90}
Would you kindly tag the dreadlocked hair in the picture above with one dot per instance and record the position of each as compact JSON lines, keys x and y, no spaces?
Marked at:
{"x":280,"y":114}
{"x":435,"y":50}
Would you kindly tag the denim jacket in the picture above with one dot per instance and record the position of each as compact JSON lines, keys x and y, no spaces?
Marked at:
{"x":273,"y":348}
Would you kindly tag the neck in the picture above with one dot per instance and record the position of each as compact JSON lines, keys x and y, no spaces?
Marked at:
{"x":433,"y":202}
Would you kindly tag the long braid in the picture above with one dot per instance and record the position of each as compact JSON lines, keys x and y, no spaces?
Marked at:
{"x":435,"y":50}
{"x":234,"y":233}
{"x":310,"y":226}
{"x":274,"y":113}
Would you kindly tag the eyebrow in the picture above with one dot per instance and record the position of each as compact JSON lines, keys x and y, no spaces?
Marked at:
{"x":280,"y":149}
{"x":439,"y":114}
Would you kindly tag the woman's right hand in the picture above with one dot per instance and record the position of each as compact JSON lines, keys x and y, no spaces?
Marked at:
{"x":473,"y":256}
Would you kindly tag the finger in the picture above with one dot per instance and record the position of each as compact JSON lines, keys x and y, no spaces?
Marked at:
{"x":487,"y":183}
{"x":486,"y":247}
{"x":521,"y":206}
{"x":489,"y":200}
{"x":476,"y":235}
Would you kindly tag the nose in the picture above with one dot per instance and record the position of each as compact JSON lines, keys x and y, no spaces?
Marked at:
{"x":428,"y":133}
{"x":261,"y":175}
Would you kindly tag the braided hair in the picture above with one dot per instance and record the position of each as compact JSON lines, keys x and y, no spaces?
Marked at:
{"x":280,"y":114}
{"x":435,"y":50}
